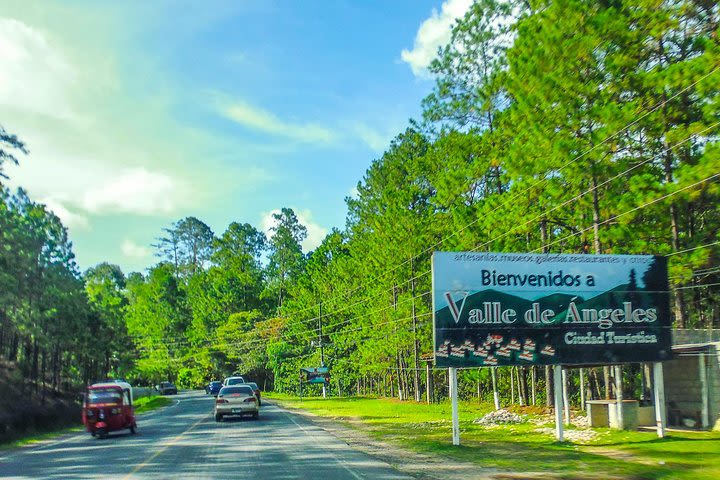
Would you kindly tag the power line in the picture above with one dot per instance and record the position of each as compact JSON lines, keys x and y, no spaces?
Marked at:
{"x":304,"y":335}
{"x":693,"y":248}
{"x":536,"y":183}
{"x":646,"y":204}
{"x":455,"y":233}
{"x":699,"y":285}
{"x":312,"y":333}
{"x":588,"y":191}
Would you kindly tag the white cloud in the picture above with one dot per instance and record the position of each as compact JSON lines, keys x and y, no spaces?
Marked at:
{"x":70,"y":219}
{"x":315,"y":232}
{"x":372,"y":138}
{"x":133,"y":250}
{"x":433,"y":33}
{"x":265,"y":121}
{"x":34,"y":76}
{"x":74,"y":186}
{"x":133,"y":191}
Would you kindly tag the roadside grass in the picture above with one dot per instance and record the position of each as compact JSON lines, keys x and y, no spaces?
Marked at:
{"x":145,"y":404}
{"x":36,"y":437}
{"x":522,"y":447}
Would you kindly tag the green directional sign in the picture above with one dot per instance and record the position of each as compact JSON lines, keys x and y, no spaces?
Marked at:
{"x":316,"y":374}
{"x":526,"y":309}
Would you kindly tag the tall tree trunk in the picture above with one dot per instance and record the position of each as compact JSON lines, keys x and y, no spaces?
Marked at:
{"x":35,"y":370}
{"x":512,"y":386}
{"x":548,"y":386}
{"x":522,"y":385}
{"x":596,"y":382}
{"x":680,"y":309}
{"x":548,"y":370}
{"x":533,"y":380}
{"x":2,"y":336}
{"x":58,"y":368}
{"x":44,"y":371}
{"x":596,"y":213}
{"x":14,"y":347}
{"x":607,"y":383}
{"x":400,"y":378}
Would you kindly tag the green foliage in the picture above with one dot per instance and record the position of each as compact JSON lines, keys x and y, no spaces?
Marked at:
{"x":565,"y":126}
{"x":9,"y":144}
{"x":146,"y":404}
{"x":286,"y":258}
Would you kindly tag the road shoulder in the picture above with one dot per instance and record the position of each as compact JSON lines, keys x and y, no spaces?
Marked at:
{"x":404,"y":460}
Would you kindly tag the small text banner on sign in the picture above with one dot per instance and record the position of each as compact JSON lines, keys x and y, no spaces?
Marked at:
{"x":495,"y":309}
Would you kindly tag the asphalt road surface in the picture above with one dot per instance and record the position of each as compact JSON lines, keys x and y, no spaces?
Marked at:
{"x":184,"y":441}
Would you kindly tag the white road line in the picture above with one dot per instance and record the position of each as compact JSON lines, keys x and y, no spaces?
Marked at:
{"x":167,"y":444}
{"x":340,"y":461}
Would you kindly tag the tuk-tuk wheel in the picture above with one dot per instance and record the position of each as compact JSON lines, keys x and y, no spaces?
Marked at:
{"x":218,"y":418}
{"x":133,"y":429}
{"x":102,"y":433}
{"x":92,"y":433}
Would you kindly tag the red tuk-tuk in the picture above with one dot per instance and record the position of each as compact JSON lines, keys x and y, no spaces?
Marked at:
{"x":108,"y":407}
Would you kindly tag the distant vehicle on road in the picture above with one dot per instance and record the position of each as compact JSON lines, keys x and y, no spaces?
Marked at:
{"x":213,"y":388}
{"x":256,"y":389}
{"x":166,"y":388}
{"x":233,"y":381}
{"x":108,"y":407}
{"x":236,"y":400}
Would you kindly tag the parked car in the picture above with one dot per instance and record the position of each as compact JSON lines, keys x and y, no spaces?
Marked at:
{"x":236,"y":400}
{"x":256,"y":389}
{"x":233,"y":381}
{"x":166,"y":388}
{"x":213,"y":388}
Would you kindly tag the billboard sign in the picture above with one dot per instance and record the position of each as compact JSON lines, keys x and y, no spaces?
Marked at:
{"x":495,"y":309}
{"x":316,"y":374}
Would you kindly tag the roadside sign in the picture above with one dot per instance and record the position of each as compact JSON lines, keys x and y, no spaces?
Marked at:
{"x":495,"y":309}
{"x":316,"y":374}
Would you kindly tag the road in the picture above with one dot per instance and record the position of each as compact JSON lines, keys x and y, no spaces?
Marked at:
{"x":184,"y":441}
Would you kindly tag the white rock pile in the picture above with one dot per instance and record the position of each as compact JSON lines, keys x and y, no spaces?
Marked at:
{"x":499,"y":417}
{"x":575,"y":436}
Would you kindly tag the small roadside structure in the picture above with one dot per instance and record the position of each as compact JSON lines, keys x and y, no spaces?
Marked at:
{"x":692,"y":385}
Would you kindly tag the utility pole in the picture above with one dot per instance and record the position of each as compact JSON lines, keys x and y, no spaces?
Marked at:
{"x":415,"y":339}
{"x":322,"y":347}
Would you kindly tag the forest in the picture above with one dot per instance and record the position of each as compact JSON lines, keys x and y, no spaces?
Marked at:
{"x":561,"y":126}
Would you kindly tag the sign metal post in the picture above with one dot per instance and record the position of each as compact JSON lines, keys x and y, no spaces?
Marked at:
{"x":659,"y":396}
{"x":496,"y":395}
{"x":558,"y":392}
{"x":619,"y":413}
{"x":566,"y":400}
{"x":452,"y":375}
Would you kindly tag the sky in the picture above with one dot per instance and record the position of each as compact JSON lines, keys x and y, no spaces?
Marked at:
{"x":137,"y":114}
